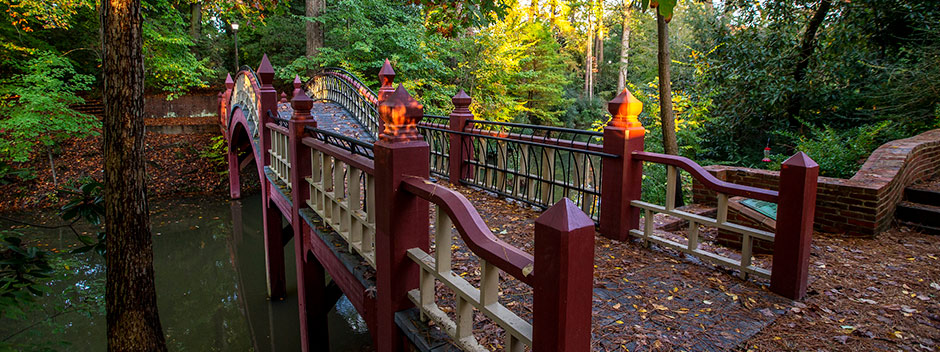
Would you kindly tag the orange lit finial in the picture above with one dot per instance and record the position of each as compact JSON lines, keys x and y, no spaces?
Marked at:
{"x":625,"y":109}
{"x":400,"y":114}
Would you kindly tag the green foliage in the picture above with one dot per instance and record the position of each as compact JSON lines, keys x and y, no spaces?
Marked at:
{"x":217,"y":154}
{"x":37,"y":109}
{"x":23,"y":272}
{"x":87,"y":204}
{"x":171,"y":64}
{"x":840,"y":153}
{"x":519,"y":73}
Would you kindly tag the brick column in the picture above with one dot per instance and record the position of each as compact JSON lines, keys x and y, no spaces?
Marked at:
{"x":401,"y":219}
{"x":622,"y":176}
{"x":458,"y":154}
{"x":311,"y":276}
{"x":794,"y":234}
{"x":564,"y":274}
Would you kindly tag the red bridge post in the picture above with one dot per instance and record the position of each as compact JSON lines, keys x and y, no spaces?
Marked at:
{"x":311,"y":276}
{"x":273,"y":244}
{"x":234,"y":180}
{"x":796,"y":207}
{"x":401,"y":220}
{"x":458,"y":154}
{"x":564,"y":274}
{"x":622,"y":177}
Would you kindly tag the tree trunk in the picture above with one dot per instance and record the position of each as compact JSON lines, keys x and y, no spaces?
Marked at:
{"x":131,"y":301}
{"x":599,"y":49}
{"x":807,"y":46}
{"x":624,"y":48}
{"x":314,"y":31}
{"x":195,"y":21}
{"x":589,"y":64}
{"x":666,"y":114}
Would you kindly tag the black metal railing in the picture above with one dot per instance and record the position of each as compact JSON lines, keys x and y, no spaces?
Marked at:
{"x":352,"y":145}
{"x":434,"y":128}
{"x":343,"y":88}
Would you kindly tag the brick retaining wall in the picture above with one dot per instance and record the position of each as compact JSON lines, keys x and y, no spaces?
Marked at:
{"x":862,"y":205}
{"x":192,"y":104}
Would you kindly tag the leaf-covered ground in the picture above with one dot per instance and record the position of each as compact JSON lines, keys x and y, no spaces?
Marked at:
{"x":175,"y":167}
{"x":865,"y":294}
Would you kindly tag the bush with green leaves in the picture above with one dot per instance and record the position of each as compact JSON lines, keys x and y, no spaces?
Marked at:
{"x":37,"y":112}
{"x":840,"y":153}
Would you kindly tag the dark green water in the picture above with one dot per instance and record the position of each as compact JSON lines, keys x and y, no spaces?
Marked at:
{"x":209,"y":265}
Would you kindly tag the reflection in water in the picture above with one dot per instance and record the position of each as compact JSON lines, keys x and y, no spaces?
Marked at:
{"x":209,"y":264}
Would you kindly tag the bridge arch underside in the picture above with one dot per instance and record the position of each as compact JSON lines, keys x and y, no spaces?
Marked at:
{"x":242,"y":152}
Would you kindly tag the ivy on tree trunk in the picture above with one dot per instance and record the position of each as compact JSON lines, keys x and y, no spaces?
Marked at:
{"x":131,"y":301}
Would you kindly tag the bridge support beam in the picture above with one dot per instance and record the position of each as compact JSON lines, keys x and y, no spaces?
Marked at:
{"x":399,"y":152}
{"x":274,"y":251}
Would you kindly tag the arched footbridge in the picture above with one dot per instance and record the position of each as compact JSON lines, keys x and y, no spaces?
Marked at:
{"x":361,"y":181}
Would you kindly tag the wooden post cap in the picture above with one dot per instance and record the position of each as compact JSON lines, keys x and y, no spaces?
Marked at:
{"x":400,"y":114}
{"x":229,"y":82}
{"x":266,"y":71}
{"x":387,"y":75}
{"x":625,"y":109}
{"x":461,"y":101}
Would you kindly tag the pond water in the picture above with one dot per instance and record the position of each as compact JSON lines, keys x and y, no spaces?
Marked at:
{"x":210,"y":281}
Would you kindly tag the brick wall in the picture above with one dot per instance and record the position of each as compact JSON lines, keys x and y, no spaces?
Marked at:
{"x":193,"y":104}
{"x":862,"y":205}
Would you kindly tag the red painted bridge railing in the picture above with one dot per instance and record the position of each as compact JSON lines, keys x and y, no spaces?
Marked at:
{"x":361,"y":212}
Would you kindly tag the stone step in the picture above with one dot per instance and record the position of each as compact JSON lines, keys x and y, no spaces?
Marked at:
{"x":919,"y":214}
{"x":922,"y":196}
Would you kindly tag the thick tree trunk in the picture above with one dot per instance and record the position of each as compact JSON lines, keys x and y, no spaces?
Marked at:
{"x":599,"y":48}
{"x":624,"y":48}
{"x":131,"y":301}
{"x":195,"y":20}
{"x":314,"y":30}
{"x":807,"y":46}
{"x":666,"y":114}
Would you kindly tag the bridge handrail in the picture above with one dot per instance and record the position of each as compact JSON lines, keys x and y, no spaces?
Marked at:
{"x":720,"y":221}
{"x":706,"y":178}
{"x":355,"y":80}
{"x":472,"y":228}
{"x":353,"y":92}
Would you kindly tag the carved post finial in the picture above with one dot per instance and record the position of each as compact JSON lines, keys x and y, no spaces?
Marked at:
{"x":400,"y":114}
{"x":625,"y":109}
{"x":386,"y":77}
{"x":265,"y":71}
{"x":297,"y":85}
{"x":301,"y":103}
{"x":229,"y":82}
{"x":461,"y":102}
{"x":283,"y":97}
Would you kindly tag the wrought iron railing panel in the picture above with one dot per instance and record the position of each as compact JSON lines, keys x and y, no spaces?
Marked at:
{"x":534,"y":164}
{"x":343,"y":88}
{"x":433,"y":129}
